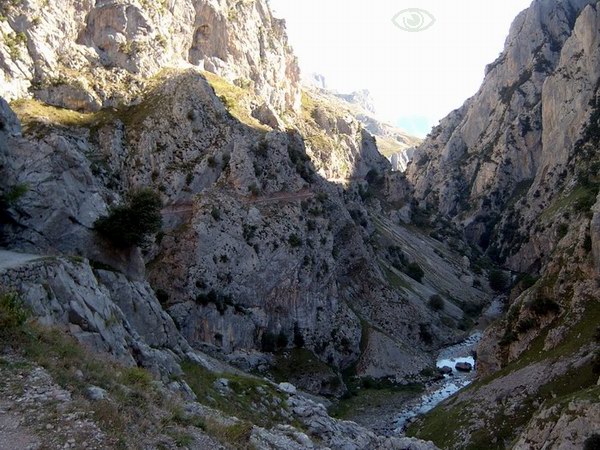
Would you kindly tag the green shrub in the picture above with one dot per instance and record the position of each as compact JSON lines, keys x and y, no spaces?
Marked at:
{"x":497,"y":280}
{"x":282,"y":340}
{"x":587,"y":243}
{"x":162,"y":296}
{"x":525,"y":325}
{"x":136,"y":376}
{"x":13,"y":313}
{"x":216,"y":214}
{"x":592,"y":443}
{"x":294,"y":240}
{"x":14,"y":194}
{"x":132,"y":223}
{"x":542,"y":306}
{"x":424,"y":334}
{"x":414,"y":271}
{"x":596,"y":362}
{"x":189,"y":178}
{"x":562,"y":231}
{"x":298,"y":338}
{"x":268,"y":342}
{"x":436,"y":303}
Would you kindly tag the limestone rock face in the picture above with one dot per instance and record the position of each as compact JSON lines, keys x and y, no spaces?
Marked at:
{"x":392,"y":142}
{"x":9,"y":124}
{"x":574,"y":425}
{"x":516,"y":169}
{"x":513,"y":149}
{"x":85,"y":55}
{"x":70,"y":294}
{"x":595,"y":235}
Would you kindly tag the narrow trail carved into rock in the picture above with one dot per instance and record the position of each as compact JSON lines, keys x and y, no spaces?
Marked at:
{"x":187,"y":207}
{"x":10,"y":260}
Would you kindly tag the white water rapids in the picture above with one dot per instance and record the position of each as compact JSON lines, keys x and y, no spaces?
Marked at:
{"x":452,"y":383}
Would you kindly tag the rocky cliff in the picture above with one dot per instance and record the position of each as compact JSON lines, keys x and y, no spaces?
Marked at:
{"x":392,"y":142}
{"x":278,"y":234}
{"x":89,"y":55}
{"x":516,"y":168}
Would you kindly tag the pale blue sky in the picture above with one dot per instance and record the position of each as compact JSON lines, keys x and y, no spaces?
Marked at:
{"x":416,"y":78}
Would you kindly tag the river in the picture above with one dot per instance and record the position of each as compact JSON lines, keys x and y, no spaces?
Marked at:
{"x":449,"y":385}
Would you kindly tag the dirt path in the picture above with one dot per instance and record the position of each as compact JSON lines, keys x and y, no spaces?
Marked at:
{"x":35,"y":413}
{"x":278,"y":197}
{"x":10,"y":260}
{"x":303,"y":194}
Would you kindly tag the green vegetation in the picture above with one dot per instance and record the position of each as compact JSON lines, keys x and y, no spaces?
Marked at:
{"x":14,"y":194}
{"x":250,"y":399}
{"x":562,"y":230}
{"x":370,"y":394}
{"x":581,"y":198}
{"x":444,"y":424}
{"x":299,"y":363}
{"x":215,"y":213}
{"x":294,"y":240}
{"x":542,"y":305}
{"x":131,"y":411}
{"x":10,"y":199}
{"x":221,"y":301}
{"x":14,"y":43}
{"x":133,"y":222}
{"x":497,"y":280}
{"x":13,"y":314}
{"x":436,"y":303}
{"x":271,"y":342}
{"x":235,"y":99}
{"x":414,"y":271}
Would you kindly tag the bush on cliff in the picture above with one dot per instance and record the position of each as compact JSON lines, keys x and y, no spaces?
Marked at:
{"x":133,"y":222}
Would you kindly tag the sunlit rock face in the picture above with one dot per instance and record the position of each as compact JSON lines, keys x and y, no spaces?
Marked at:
{"x":517,"y":141}
{"x":86,"y":55}
{"x":516,"y":168}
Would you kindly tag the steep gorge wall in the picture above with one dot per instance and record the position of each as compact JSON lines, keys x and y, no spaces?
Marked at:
{"x":85,"y":55}
{"x":517,"y":169}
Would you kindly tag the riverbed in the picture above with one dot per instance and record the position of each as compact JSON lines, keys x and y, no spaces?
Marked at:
{"x":444,"y":388}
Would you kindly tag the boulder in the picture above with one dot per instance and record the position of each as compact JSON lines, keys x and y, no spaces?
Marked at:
{"x":464,"y":366}
{"x":95,"y":393}
{"x":288,"y":388}
{"x":446,"y":370}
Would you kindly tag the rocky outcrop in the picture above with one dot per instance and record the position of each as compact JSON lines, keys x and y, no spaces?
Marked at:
{"x":392,"y":142}
{"x":88,"y":55}
{"x":101,"y":309}
{"x":401,"y":159}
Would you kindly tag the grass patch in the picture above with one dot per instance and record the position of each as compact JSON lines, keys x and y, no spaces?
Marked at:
{"x":395,"y":280}
{"x":444,"y":424}
{"x":237,"y":435}
{"x":298,"y":363}
{"x":573,"y":198}
{"x":134,"y":411}
{"x":235,"y":99}
{"x":248,"y":398}
{"x":371,"y":398}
